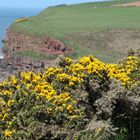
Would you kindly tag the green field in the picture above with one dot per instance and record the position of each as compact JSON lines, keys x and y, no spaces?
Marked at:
{"x":71,"y":23}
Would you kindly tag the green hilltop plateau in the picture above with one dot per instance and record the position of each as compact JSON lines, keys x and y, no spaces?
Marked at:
{"x":102,"y":29}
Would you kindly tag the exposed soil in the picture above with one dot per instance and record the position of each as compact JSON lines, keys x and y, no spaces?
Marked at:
{"x":111,"y":43}
{"x":16,"y":43}
{"x":131,"y":4}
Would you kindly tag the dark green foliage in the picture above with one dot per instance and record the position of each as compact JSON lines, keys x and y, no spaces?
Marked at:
{"x":122,"y":135}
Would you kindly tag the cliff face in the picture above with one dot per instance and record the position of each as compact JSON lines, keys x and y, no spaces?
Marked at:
{"x":17,"y":43}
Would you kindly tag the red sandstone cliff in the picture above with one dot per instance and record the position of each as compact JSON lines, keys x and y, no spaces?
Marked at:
{"x":17,"y":42}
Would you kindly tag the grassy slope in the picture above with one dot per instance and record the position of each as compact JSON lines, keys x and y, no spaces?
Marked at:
{"x":62,"y":21}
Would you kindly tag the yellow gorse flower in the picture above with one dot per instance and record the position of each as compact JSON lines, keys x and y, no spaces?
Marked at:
{"x":8,"y":133}
{"x":55,"y":84}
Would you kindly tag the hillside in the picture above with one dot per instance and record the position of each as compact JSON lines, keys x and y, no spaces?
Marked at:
{"x":101,"y":29}
{"x":72,"y":99}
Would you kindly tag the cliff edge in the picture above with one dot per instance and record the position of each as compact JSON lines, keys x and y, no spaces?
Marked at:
{"x":21,"y":49}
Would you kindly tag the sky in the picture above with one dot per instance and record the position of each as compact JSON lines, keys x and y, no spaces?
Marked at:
{"x":38,"y":3}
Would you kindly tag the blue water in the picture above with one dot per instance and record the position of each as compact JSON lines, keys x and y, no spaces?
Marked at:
{"x":8,"y":15}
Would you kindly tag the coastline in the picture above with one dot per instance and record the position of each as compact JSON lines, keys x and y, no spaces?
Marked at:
{"x":7,"y":17}
{"x":23,"y":43}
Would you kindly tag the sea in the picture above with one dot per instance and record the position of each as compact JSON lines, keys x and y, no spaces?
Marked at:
{"x":9,"y":15}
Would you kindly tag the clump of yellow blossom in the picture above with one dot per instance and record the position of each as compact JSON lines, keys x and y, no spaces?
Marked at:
{"x":8,"y":133}
{"x":56,"y":83}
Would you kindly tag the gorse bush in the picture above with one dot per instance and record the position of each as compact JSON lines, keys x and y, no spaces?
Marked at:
{"x":72,"y":101}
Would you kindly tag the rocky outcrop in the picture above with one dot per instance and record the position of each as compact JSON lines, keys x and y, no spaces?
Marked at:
{"x":15,"y":42}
